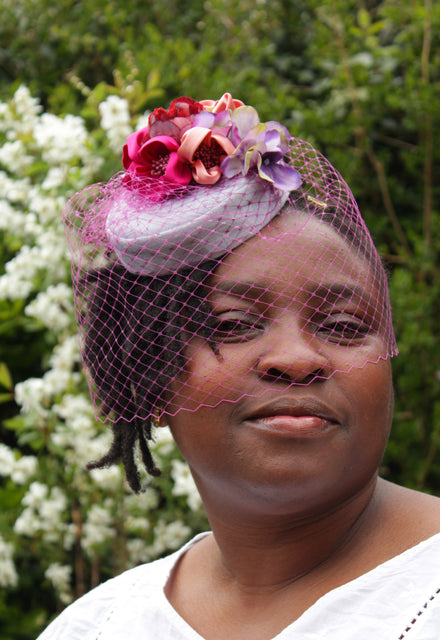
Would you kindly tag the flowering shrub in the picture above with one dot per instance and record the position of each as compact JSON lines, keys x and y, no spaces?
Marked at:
{"x":77,"y":527}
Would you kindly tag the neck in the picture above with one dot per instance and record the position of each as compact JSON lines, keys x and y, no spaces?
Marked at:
{"x":267,"y":553}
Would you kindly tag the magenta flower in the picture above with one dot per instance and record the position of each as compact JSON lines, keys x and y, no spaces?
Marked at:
{"x":154,"y":158}
{"x":263,"y":149}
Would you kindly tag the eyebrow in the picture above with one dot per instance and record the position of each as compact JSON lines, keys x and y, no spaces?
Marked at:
{"x":242,"y":289}
{"x":326,"y":291}
{"x":339,"y":290}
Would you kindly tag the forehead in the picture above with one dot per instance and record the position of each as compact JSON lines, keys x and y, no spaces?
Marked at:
{"x":296,"y":251}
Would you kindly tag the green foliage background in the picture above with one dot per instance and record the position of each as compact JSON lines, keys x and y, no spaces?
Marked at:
{"x":359,"y":79}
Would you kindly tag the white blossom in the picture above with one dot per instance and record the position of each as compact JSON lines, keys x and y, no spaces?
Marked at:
{"x":35,"y":495}
{"x":114,"y":112}
{"x":53,"y":307}
{"x":19,"y":470}
{"x":142,"y":121}
{"x":6,"y":117}
{"x":72,"y":407}
{"x":18,"y":280}
{"x":143,"y":502}
{"x":110,"y":478}
{"x":184,"y":484}
{"x":14,"y":191}
{"x":97,"y":529}
{"x":13,"y":156}
{"x":25,"y":105}
{"x":70,"y":535}
{"x":24,"y":468}
{"x":8,"y":573}
{"x":169,"y":536}
{"x":60,"y":576}
{"x":16,"y":283}
{"x":11,"y":220}
{"x":27,"y":523}
{"x":115,"y":120}
{"x":19,"y":117}
{"x":163,"y":441}
{"x":77,"y":433}
{"x":31,"y":395}
{"x":137,"y":525}
{"x":7,"y":460}
{"x":138,"y":552}
{"x":31,"y":227}
{"x":45,"y":513}
{"x":61,"y":139}
{"x":66,"y":355}
{"x":55,"y":177}
{"x":88,"y":171}
{"x":54,"y":506}
{"x":47,"y":208}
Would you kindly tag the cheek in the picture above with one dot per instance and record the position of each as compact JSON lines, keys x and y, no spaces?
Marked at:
{"x":209,"y":378}
{"x":373,"y":394}
{"x":202,"y":438}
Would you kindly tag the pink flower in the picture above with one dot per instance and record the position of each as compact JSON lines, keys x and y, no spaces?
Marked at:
{"x":204,"y":151}
{"x":226,"y":102}
{"x":154,"y":158}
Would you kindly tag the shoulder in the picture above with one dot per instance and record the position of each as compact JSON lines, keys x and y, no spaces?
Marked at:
{"x":428,"y":505}
{"x":414,"y":513}
{"x":118,"y":598}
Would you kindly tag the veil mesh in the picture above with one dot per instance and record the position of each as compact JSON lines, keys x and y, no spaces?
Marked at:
{"x":270,"y":287}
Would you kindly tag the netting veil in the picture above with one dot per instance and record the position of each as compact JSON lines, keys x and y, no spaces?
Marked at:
{"x":188,"y":268}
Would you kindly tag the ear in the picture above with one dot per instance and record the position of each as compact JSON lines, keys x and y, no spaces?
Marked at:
{"x":162,"y":422}
{"x":159,"y":418}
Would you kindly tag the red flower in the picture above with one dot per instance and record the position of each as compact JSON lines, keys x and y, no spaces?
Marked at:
{"x":175,"y":120}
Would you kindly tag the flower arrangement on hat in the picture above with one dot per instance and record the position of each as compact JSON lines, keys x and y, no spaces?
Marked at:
{"x":199,"y":142}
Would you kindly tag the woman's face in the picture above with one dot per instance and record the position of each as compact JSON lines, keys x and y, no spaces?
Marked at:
{"x":294,"y":409}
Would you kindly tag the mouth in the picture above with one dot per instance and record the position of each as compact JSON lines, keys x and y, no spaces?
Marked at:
{"x":294,"y":418}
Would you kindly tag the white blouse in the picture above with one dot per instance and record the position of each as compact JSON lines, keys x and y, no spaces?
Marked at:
{"x":398,"y":600}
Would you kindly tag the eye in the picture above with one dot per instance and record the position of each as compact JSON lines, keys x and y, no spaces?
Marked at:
{"x":342,"y":328}
{"x":236,"y":327}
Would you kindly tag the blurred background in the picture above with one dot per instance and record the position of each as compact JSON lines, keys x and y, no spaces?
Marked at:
{"x":358,"y":79}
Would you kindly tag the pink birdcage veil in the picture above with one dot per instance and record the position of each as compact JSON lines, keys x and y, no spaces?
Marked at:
{"x":152,"y":247}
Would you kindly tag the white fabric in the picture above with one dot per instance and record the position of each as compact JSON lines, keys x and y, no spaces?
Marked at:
{"x":398,"y":600}
{"x":162,"y":237}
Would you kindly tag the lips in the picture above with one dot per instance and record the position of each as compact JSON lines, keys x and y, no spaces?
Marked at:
{"x":305,"y":417}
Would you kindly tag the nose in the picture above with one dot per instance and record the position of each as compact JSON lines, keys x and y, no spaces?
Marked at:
{"x":291,"y":356}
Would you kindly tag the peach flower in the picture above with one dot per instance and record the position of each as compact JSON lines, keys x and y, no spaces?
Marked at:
{"x":224,"y":103}
{"x":204,"y":151}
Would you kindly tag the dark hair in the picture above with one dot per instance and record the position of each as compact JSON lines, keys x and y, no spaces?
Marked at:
{"x":147,"y":317}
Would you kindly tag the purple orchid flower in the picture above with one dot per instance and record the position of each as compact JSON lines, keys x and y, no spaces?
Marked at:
{"x":219,"y":123}
{"x":262,"y":148}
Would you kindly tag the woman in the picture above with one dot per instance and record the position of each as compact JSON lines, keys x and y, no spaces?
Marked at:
{"x":227,"y":286}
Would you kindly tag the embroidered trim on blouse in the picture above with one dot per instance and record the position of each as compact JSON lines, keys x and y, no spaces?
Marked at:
{"x":422,"y":610}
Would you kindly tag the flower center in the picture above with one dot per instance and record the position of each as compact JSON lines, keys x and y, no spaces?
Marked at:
{"x":210,"y":154}
{"x":159,"y":165}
